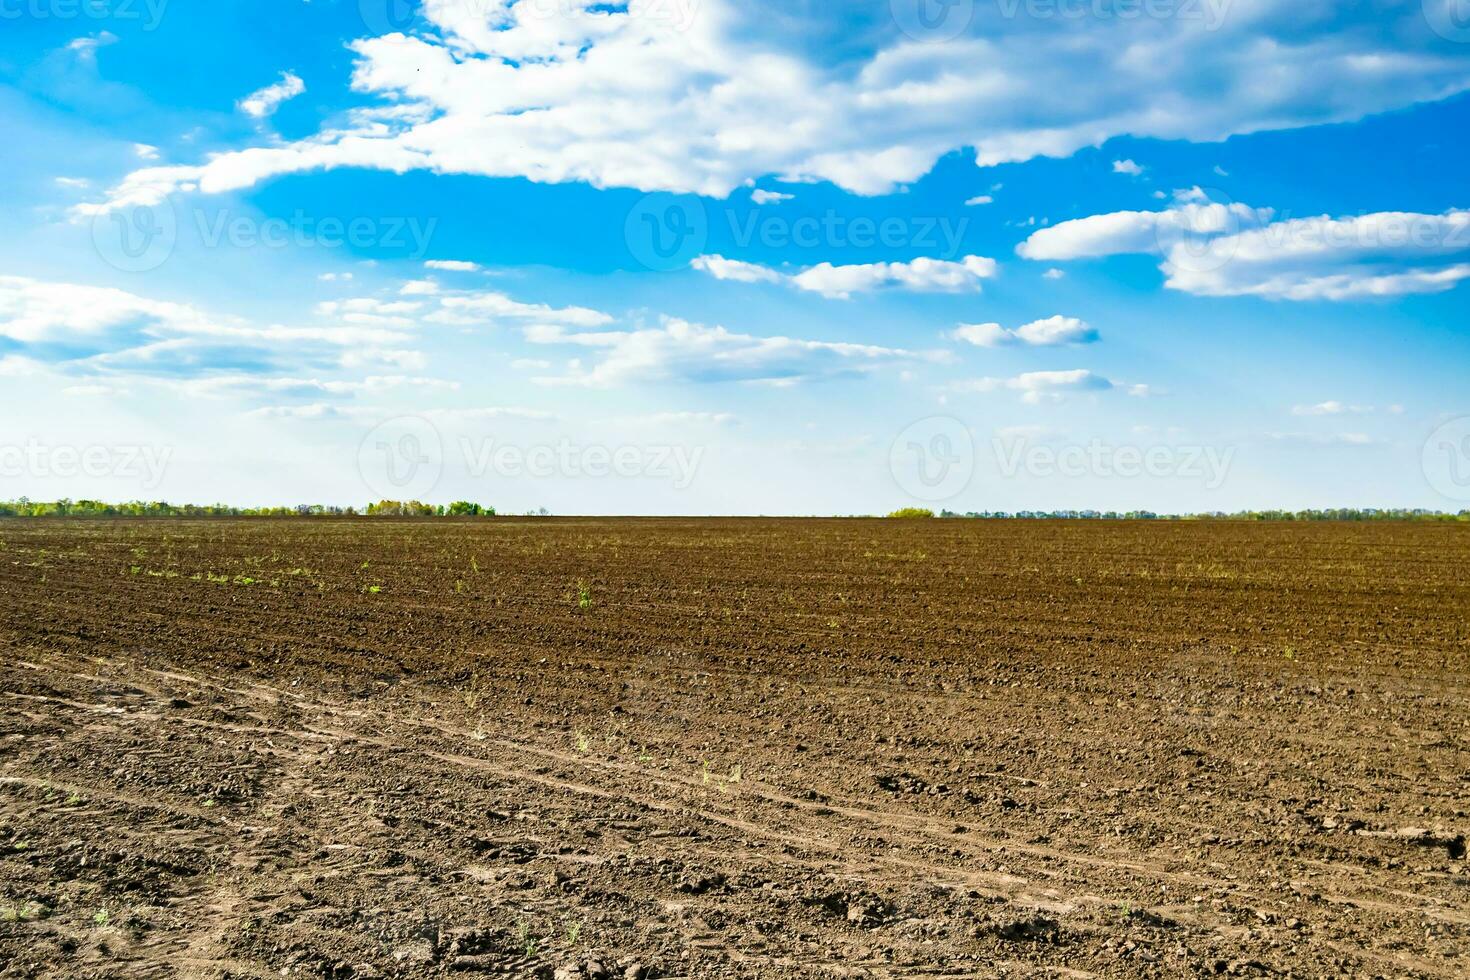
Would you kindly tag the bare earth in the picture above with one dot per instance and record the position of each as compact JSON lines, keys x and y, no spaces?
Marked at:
{"x":717,"y":748}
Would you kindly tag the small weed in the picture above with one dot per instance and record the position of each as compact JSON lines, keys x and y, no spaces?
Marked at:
{"x":583,"y":742}
{"x":24,"y":912}
{"x":574,"y":933}
{"x":584,"y":596}
{"x":528,"y":941}
{"x":1289,"y":653}
{"x":101,"y":918}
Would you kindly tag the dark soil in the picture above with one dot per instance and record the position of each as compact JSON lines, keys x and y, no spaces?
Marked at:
{"x":719,"y":748}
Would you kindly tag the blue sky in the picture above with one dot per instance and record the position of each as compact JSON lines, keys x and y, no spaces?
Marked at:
{"x":692,"y":256}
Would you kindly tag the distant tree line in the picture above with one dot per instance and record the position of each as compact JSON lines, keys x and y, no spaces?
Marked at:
{"x":158,"y":508}
{"x":464,"y":508}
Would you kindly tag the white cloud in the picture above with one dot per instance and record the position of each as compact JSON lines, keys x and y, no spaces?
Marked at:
{"x":735,"y":270}
{"x":85,"y":48}
{"x":1212,"y":249}
{"x":1053,"y":331}
{"x":266,"y":101}
{"x":335,"y":277}
{"x":769,"y":197}
{"x":145,"y":151}
{"x":979,"y":199}
{"x":251,"y":384}
{"x":452,"y":265}
{"x":1331,"y":408}
{"x":419,"y":287}
{"x":625,"y":98}
{"x":677,"y":418}
{"x":32,"y":311}
{"x":368,"y":357}
{"x":1125,"y":232}
{"x":922,"y":275}
{"x":367,"y":311}
{"x":677,"y":350}
{"x":1127,"y":167}
{"x":477,"y":308}
{"x":73,"y":183}
{"x":1039,"y":386}
{"x":1321,"y":439}
{"x":1053,"y":274}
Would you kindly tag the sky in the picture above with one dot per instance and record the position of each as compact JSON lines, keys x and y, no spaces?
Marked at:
{"x":718,"y":257}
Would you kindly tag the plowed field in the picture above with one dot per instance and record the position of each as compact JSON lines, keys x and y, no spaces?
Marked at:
{"x":720,"y":748}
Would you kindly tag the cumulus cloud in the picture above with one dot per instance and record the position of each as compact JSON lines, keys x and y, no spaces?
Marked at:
{"x":677,"y":350}
{"x":101,"y":331}
{"x":1127,"y":167}
{"x":734,"y":270}
{"x":1214,"y":249}
{"x":1053,"y":331}
{"x":624,"y":98}
{"x":266,"y":101}
{"x":1039,"y":386}
{"x":922,"y":275}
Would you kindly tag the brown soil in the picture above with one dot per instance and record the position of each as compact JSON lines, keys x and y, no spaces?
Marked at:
{"x":717,"y":748}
